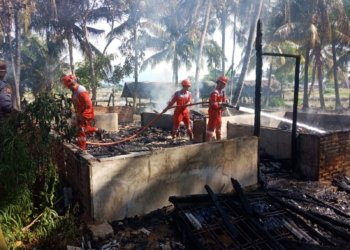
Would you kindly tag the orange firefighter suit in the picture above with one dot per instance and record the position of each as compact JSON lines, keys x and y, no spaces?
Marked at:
{"x":216,"y":99}
{"x":84,"y":114}
{"x":181,"y":113}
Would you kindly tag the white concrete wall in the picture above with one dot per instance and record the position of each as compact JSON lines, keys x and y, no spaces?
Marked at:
{"x":136,"y":184}
{"x":107,"y":121}
{"x":274,"y":142}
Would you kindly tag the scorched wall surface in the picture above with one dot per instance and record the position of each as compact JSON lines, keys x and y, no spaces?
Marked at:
{"x":135,"y":184}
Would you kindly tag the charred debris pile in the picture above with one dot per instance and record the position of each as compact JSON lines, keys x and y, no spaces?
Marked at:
{"x":150,"y":139}
{"x":282,"y":213}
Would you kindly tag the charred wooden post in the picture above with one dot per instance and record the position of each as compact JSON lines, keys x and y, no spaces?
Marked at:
{"x":258,"y":69}
{"x":245,"y":203}
{"x":295,"y":112}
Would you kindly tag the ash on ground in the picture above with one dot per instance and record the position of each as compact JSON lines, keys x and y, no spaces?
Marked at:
{"x":149,"y":140}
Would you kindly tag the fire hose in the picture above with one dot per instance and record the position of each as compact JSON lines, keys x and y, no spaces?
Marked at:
{"x":151,"y":122}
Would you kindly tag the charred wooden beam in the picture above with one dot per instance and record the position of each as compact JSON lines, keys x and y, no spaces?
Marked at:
{"x":332,"y":220}
{"x":226,"y":218}
{"x":342,"y":185}
{"x":328,"y":226}
{"x":244,"y":202}
{"x":298,"y":232}
{"x":248,"y":212}
{"x":187,"y":236}
{"x":335,"y":209}
{"x":316,"y":234}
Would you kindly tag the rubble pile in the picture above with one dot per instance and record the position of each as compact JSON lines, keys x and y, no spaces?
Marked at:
{"x":150,"y":139}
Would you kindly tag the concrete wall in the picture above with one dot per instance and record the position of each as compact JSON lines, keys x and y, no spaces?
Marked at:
{"x":274,"y":142}
{"x":107,"y":121}
{"x":136,"y":184}
{"x":125,"y":113}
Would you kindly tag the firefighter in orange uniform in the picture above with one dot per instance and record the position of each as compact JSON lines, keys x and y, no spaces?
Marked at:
{"x":217,"y":97}
{"x":83,"y":109}
{"x":181,"y":113}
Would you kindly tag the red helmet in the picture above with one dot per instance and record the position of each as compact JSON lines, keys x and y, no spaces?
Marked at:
{"x":186,"y":83}
{"x":222,"y":79}
{"x":68,"y":80}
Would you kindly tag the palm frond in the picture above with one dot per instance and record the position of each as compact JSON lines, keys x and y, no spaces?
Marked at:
{"x":155,"y":59}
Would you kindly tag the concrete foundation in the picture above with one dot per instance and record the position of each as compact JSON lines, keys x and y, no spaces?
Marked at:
{"x":107,"y":121}
{"x":123,"y":186}
{"x":125,"y":113}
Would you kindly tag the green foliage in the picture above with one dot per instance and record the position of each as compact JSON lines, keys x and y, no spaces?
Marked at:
{"x":40,"y":66}
{"x":29,"y":177}
{"x":102,"y":68}
{"x":121,"y":71}
{"x":276,"y":102}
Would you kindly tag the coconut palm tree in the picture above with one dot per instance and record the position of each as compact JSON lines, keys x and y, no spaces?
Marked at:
{"x":201,"y":45}
{"x":224,"y":9}
{"x":248,"y":48}
{"x":14,"y":19}
{"x":325,"y":22}
{"x":38,"y":65}
{"x":69,"y":20}
{"x":290,"y":25}
{"x":172,"y":38}
{"x":340,"y":38}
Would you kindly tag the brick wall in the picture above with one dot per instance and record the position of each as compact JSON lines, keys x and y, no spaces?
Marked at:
{"x":334,"y":155}
{"x":323,"y":157}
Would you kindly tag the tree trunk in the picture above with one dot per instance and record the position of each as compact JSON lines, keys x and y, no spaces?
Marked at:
{"x":223,"y":40}
{"x":199,"y":56}
{"x":16,"y":62}
{"x":70,"y":51}
{"x":91,"y":63}
{"x":136,"y":67}
{"x":267,"y":97}
{"x":233,"y":55}
{"x":313,"y":77}
{"x":246,"y":59}
{"x":319,"y":76}
{"x":306,"y":79}
{"x":335,"y":70}
{"x":175,"y":68}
